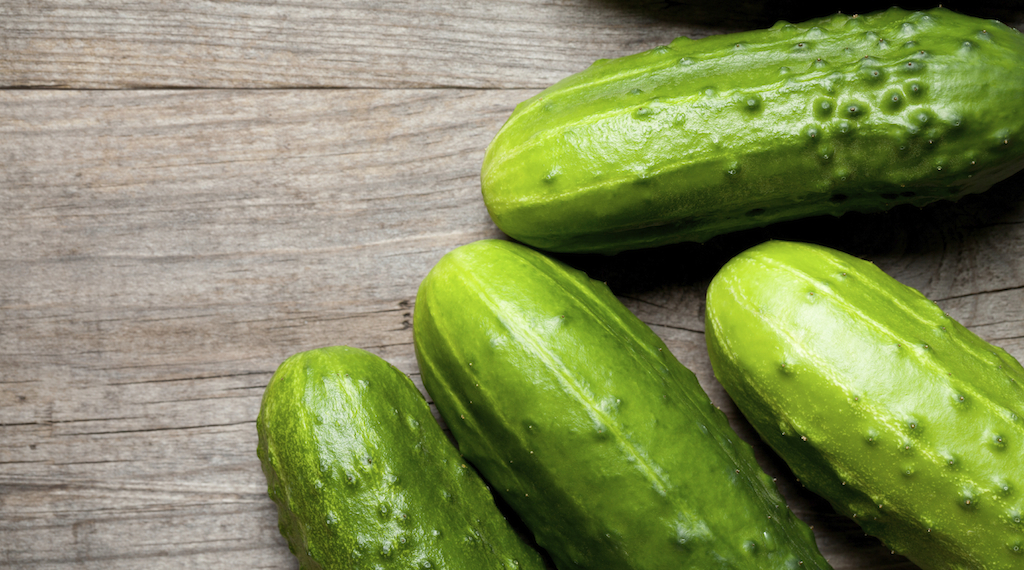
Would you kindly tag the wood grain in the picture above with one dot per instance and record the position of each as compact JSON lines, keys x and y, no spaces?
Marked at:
{"x":163,"y":250}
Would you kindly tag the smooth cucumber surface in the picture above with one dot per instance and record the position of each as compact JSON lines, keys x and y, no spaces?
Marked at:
{"x":877,"y":400}
{"x":579,"y":416}
{"x":364,"y":478}
{"x":704,"y":137}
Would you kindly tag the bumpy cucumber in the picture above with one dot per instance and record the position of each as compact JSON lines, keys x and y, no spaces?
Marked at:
{"x":363,"y":476}
{"x":703,"y":137}
{"x":877,"y":400}
{"x":576,"y":412}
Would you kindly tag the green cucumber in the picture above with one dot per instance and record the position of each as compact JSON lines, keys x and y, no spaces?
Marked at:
{"x":729,"y":132}
{"x":877,"y":400}
{"x":578,"y":415}
{"x":364,"y":478}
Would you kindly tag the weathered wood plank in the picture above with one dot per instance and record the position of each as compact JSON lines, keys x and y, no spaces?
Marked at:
{"x":316,"y":43}
{"x":114,"y":44}
{"x":163,"y":251}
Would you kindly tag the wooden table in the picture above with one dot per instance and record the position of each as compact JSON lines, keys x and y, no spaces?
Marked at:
{"x":192,"y":191}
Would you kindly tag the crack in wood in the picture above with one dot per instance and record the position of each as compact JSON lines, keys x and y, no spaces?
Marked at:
{"x":979,"y":293}
{"x":211,"y":426}
{"x":194,"y":378}
{"x":675,"y":327}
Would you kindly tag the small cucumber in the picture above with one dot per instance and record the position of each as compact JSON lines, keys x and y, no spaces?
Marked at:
{"x":578,"y":415}
{"x":878,"y":401}
{"x":364,"y":478}
{"x":729,"y":132}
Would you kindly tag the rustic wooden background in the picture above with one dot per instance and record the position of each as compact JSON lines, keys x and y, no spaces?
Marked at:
{"x":192,"y":191}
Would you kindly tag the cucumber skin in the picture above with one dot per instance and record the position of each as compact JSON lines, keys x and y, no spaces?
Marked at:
{"x":840,"y":368}
{"x":709,"y":136}
{"x":578,"y":415}
{"x":412,"y":502}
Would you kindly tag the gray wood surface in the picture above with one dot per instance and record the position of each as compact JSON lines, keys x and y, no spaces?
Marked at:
{"x":192,"y":191}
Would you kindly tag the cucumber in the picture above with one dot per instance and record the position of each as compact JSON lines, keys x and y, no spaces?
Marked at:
{"x":364,"y":478}
{"x":877,"y":400}
{"x":578,"y":415}
{"x":729,"y":132}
